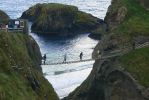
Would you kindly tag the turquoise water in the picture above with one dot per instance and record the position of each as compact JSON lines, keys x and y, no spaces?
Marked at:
{"x":64,"y":78}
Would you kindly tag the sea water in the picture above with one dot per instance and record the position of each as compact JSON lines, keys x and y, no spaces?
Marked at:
{"x":64,"y":78}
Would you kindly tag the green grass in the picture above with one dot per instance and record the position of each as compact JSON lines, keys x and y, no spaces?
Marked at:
{"x":137,"y":63}
{"x":53,"y":17}
{"x":13,"y":83}
{"x":59,"y":9}
{"x":15,"y":87}
{"x":84,"y":18}
{"x":136,"y":22}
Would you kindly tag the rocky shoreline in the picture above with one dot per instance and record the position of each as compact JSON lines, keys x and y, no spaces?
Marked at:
{"x":121,"y":77}
{"x":62,"y":20}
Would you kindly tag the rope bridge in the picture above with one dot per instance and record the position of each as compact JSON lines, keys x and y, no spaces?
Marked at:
{"x":109,"y":55}
{"x":79,"y":61}
{"x":69,"y":62}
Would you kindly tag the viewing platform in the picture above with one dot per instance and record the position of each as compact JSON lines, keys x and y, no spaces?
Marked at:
{"x":15,"y":25}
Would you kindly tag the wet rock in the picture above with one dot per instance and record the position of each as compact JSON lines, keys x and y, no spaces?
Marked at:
{"x":61,"y":20}
{"x":107,"y":81}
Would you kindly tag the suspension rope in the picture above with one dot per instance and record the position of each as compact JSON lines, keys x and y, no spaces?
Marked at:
{"x":106,"y":56}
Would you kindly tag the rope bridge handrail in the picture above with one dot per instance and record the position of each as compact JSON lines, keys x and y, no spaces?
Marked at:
{"x":127,"y":49}
{"x":78,"y":61}
{"x":69,"y":62}
{"x":109,"y":55}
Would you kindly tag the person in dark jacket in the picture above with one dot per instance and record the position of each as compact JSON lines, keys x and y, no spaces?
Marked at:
{"x":81,"y":55}
{"x":44,"y":59}
{"x":65,"y":57}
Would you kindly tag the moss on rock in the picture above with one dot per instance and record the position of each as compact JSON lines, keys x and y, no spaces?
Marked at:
{"x":133,"y":27}
{"x":21,"y":77}
{"x":134,"y":21}
{"x":136,"y":62}
{"x":60,"y":19}
{"x":125,"y":75}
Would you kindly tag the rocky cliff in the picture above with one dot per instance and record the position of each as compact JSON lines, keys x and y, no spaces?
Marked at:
{"x":108,"y":81}
{"x":21,"y":76}
{"x":61,"y":20}
{"x":124,"y":74}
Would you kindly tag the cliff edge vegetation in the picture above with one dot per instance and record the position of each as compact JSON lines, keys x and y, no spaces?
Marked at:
{"x":128,"y":22}
{"x":123,"y":75}
{"x":136,"y":62}
{"x":61,"y":20}
{"x":21,"y":76}
{"x":128,"y":17}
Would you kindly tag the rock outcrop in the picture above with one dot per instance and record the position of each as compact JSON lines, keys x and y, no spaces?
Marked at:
{"x":61,"y":20}
{"x":123,"y":76}
{"x":21,"y":77}
{"x":116,"y":14}
{"x":107,"y":82}
{"x":34,"y":52}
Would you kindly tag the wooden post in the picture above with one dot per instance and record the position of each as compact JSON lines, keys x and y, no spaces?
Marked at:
{"x":26,"y":30}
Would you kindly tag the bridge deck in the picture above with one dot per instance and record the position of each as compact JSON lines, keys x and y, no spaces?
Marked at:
{"x":78,"y":61}
{"x":68,"y":62}
{"x":101,"y":58}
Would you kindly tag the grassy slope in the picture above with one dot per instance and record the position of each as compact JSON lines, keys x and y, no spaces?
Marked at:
{"x":137,"y":19}
{"x":137,"y":63}
{"x":136,"y":23}
{"x":58,"y":16}
{"x":13,"y":83}
{"x":61,"y":8}
{"x":45,"y":9}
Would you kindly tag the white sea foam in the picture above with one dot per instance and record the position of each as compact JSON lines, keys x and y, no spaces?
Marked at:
{"x":64,"y":78}
{"x":14,"y":8}
{"x":67,"y":82}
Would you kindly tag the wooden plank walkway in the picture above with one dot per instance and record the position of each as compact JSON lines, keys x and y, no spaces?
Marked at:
{"x":78,"y":61}
{"x":69,"y":62}
{"x":101,"y":58}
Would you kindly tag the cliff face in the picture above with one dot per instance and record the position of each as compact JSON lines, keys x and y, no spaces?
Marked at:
{"x":21,"y":77}
{"x":61,"y":20}
{"x":34,"y":52}
{"x":107,"y":81}
{"x":116,"y":14}
{"x":123,"y":76}
{"x":128,"y":18}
